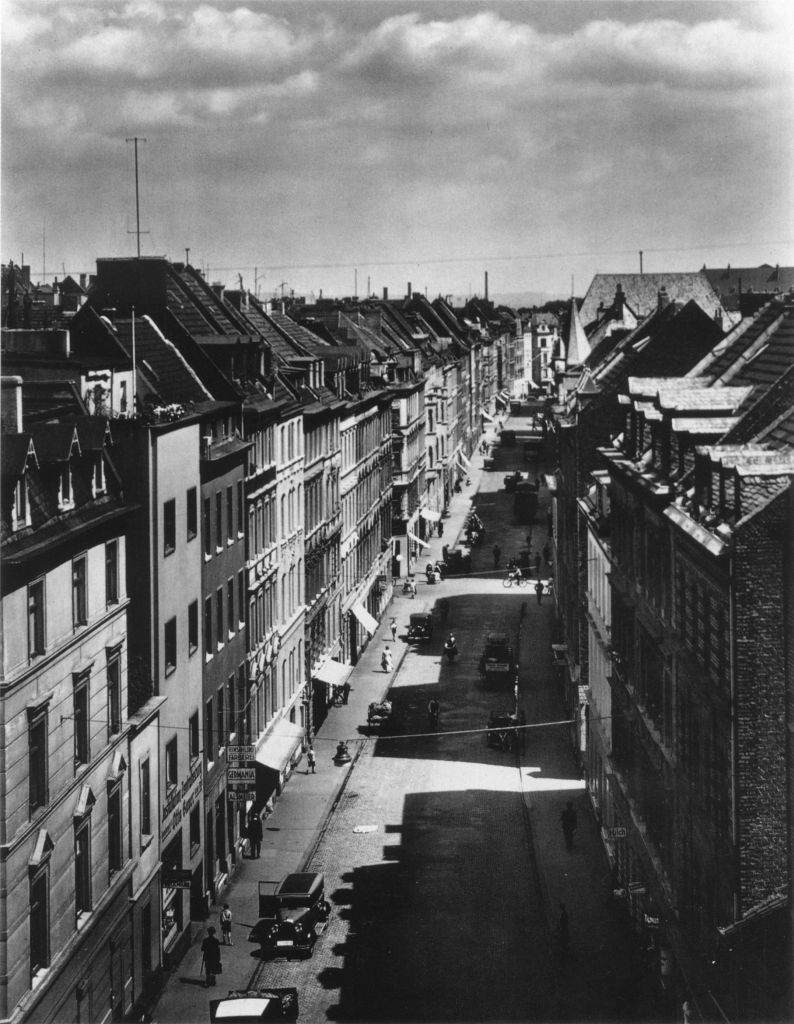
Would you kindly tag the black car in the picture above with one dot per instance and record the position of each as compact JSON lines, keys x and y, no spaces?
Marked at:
{"x":288,"y":914}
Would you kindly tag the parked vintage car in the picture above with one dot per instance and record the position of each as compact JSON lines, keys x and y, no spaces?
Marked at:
{"x":512,"y":479}
{"x":498,"y":665}
{"x":420,"y":627}
{"x":289,"y":912}
{"x":501,"y":730}
{"x":244,"y":1005}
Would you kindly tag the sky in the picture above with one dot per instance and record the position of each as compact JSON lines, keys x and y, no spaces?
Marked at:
{"x":343,"y":147}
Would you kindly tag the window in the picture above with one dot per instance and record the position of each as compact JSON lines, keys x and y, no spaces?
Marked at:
{"x":171,"y":767}
{"x":115,"y":833}
{"x":114,"y":691}
{"x":36,"y":631}
{"x":98,"y":483}
{"x":194,"y":736}
{"x":219,"y":615}
{"x":218,"y":520}
{"x":170,"y":646}
{"x":221,"y":722}
{"x":240,"y":510}
{"x":37,"y":758}
{"x":81,"y":719}
{"x":230,"y":620}
{"x":209,"y":730}
{"x":231,"y":703}
{"x":79,"y":594}
{"x":192,"y":513}
{"x":39,"y":920}
{"x":65,"y":495}
{"x":192,"y":628}
{"x":82,"y":868}
{"x":112,"y":572}
{"x":207,"y":528}
{"x":229,"y":514}
{"x":169,"y":527}
{"x":21,"y":504}
{"x":195,"y":828}
{"x":208,"y":626}
{"x":241,"y":596}
{"x":146,"y":799}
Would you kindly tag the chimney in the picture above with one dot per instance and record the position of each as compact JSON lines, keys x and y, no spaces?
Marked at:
{"x":385,"y":294}
{"x":662,"y":299}
{"x":27,"y":303}
{"x":486,"y":285}
{"x":410,"y":290}
{"x":82,"y":280}
{"x":620,"y":299}
{"x":217,"y":287}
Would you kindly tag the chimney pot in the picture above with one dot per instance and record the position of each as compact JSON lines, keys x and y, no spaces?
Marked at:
{"x":385,"y":294}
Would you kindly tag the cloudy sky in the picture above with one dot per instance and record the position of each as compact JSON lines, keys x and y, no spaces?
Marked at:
{"x":324,"y":143}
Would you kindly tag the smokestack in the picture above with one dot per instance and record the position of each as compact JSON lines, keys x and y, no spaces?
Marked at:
{"x":486,"y":285}
{"x":385,"y":294}
{"x":410,"y":290}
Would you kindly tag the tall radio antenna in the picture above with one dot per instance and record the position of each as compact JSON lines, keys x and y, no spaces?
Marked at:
{"x":137,"y":232}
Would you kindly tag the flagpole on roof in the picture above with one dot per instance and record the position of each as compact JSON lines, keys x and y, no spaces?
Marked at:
{"x":134,"y":371}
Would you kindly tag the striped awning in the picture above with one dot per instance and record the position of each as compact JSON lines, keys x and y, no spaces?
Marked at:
{"x":418,"y":540}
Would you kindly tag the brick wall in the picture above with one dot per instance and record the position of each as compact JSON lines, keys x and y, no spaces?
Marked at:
{"x":760,"y":702}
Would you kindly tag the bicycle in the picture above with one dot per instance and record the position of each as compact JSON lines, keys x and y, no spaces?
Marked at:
{"x":509,"y":580}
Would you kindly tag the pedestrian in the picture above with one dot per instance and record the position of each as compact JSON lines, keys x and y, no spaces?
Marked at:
{"x":445,"y":552}
{"x":529,"y":540}
{"x":311,"y":760}
{"x":255,"y":834}
{"x":393,"y":627}
{"x":569,"y":824}
{"x":441,"y":529}
{"x":547,"y":554}
{"x":565,"y":930}
{"x":433,"y":712}
{"x":497,"y":554}
{"x":539,"y":591}
{"x":537,"y":564}
{"x":345,"y":692}
{"x":226,"y":925}
{"x":210,"y":957}
{"x":385,"y":660}
{"x":412,"y":586}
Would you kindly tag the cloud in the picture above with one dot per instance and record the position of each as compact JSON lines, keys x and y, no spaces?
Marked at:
{"x":448,"y":125}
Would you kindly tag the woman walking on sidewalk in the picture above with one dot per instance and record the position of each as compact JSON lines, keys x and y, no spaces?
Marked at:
{"x":386,"y":660}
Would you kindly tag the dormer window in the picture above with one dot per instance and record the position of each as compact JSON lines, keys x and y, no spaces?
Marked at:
{"x":98,"y":480}
{"x":65,"y":497}
{"x":20,"y":516}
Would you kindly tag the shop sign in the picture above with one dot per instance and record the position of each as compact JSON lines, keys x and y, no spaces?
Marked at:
{"x":176,"y":878}
{"x":240,"y":752}
{"x":241,"y":775}
{"x":241,"y":796}
{"x":617,"y":832}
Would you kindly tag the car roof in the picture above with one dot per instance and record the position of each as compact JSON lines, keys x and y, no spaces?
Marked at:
{"x":300,"y":882}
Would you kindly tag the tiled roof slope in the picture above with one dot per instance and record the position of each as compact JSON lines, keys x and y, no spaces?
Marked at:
{"x":769,"y":360}
{"x":669,"y":341}
{"x":739,"y":342}
{"x":642,"y":292}
{"x":171,"y":376}
{"x":300,"y":337}
{"x":766,"y":278}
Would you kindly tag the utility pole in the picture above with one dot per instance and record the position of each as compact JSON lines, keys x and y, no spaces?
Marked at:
{"x":136,"y":139}
{"x":640,"y":260}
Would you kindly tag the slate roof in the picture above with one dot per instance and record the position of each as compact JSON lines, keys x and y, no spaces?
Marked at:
{"x":738,"y":343}
{"x":54,"y":441}
{"x":642,"y":293}
{"x":765,"y":279}
{"x":14,"y":453}
{"x":171,"y":376}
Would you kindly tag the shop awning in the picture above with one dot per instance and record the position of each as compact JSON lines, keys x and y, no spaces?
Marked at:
{"x":486,"y":415}
{"x":430,"y":515}
{"x":418,"y":540}
{"x":498,"y":398}
{"x":365,"y":618}
{"x":280,"y":745}
{"x":333,"y":672}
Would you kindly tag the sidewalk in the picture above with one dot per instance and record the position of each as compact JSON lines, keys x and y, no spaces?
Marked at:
{"x":293,"y":830}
